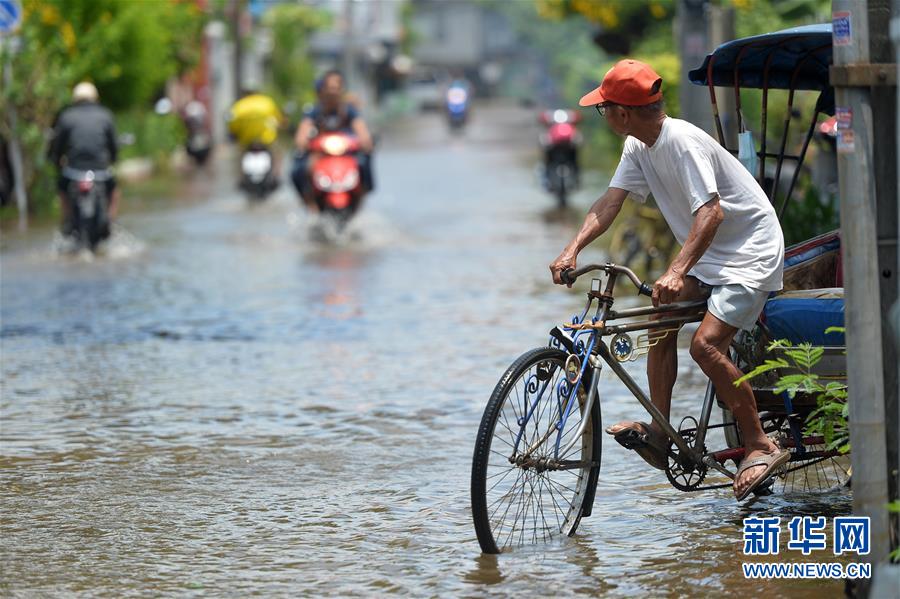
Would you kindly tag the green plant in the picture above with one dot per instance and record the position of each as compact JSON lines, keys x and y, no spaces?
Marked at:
{"x":292,"y":68}
{"x":894,"y":508}
{"x":829,"y":419}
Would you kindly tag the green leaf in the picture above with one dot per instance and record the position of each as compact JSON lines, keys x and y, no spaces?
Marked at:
{"x":778,"y":344}
{"x":767,"y":366}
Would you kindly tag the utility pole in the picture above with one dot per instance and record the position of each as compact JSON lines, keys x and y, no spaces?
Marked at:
{"x":859,"y":249}
{"x":884,"y":103}
{"x":238,"y":13}
{"x":348,"y":53}
{"x":895,"y":38}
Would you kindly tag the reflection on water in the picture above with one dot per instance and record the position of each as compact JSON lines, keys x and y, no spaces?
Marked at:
{"x":235,"y":408}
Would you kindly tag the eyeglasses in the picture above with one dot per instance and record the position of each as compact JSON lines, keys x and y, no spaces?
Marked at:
{"x":602,"y":108}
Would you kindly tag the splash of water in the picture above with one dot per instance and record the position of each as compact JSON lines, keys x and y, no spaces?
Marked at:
{"x":121,"y":245}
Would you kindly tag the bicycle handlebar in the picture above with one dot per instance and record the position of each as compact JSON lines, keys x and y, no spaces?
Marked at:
{"x":569,"y":276}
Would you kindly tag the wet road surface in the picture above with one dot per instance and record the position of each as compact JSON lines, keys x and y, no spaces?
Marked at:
{"x":224,"y":407}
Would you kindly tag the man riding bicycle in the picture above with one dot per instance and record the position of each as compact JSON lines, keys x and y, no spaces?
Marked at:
{"x":732,"y":254}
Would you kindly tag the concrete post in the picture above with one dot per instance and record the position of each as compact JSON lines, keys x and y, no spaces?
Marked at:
{"x":721,"y":30}
{"x":884,"y":104}
{"x":692,"y":40}
{"x":865,"y":365}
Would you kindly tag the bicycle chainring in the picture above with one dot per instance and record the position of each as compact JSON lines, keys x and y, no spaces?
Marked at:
{"x":684,"y":477}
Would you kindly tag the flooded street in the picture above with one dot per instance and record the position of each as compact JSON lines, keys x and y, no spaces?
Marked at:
{"x":226,"y":407}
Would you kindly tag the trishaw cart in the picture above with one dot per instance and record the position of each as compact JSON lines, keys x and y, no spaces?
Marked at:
{"x":795,"y":59}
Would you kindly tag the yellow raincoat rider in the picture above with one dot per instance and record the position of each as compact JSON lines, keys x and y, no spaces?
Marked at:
{"x":255,"y":118}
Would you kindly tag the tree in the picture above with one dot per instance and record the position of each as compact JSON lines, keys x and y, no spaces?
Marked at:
{"x":292,"y":70}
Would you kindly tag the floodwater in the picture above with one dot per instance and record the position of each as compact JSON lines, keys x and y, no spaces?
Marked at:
{"x":224,"y":407}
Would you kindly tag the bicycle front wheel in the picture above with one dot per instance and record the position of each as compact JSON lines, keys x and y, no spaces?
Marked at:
{"x":524,"y":489}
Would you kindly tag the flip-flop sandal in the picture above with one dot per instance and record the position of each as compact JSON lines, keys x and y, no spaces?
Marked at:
{"x":771,"y":461}
{"x":653,"y":448}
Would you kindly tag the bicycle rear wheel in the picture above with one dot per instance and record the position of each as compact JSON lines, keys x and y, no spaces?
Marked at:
{"x":815,"y":470}
{"x":522,"y":494}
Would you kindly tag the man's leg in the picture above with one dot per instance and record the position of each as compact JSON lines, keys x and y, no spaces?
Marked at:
{"x":709,"y":348}
{"x":115,"y":198}
{"x":64,"y":205}
{"x":662,"y":363}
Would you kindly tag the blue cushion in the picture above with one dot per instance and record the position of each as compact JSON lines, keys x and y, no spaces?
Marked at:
{"x":803,"y":320}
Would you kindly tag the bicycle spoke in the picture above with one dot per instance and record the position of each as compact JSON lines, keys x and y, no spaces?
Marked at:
{"x":558,"y":509}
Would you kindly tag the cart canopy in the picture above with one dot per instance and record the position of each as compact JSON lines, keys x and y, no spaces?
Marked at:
{"x":800,"y":55}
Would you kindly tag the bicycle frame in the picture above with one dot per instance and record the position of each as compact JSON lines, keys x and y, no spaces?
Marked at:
{"x":593,"y":353}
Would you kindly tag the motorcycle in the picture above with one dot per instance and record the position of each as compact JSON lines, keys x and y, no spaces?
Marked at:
{"x":199,"y":141}
{"x":457,"y":103}
{"x":258,"y":172}
{"x":336,"y":182}
{"x":88,"y":197}
{"x":560,"y":144}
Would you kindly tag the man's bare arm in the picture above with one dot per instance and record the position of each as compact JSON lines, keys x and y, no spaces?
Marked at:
{"x":362,"y":133}
{"x":304,"y":130}
{"x":597,"y":221}
{"x":707,"y":219}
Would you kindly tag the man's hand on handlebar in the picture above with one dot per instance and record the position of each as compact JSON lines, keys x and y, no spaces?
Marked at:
{"x":668,"y":287}
{"x":564,"y":262}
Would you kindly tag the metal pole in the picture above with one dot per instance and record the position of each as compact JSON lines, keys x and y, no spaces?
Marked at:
{"x":15,"y":152}
{"x":861,"y":283}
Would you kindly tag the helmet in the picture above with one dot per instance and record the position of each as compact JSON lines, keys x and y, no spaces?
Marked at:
{"x":85,"y":92}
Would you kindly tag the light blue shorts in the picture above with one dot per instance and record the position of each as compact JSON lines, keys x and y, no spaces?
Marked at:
{"x":737,"y":305}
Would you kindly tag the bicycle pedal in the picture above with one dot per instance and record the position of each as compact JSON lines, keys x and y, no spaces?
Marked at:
{"x":631,"y":439}
{"x":765,"y":488}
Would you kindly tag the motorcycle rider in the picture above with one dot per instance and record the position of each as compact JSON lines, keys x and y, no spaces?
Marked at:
{"x":333,"y":112}
{"x":84,"y":138}
{"x":254,"y":121}
{"x":569,"y":151}
{"x":254,"y":118}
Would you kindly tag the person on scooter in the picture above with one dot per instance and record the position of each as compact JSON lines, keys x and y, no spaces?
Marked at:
{"x":732,"y":254}
{"x":332,"y":113}
{"x":84,"y":138}
{"x":254,"y":118}
{"x":253,"y":122}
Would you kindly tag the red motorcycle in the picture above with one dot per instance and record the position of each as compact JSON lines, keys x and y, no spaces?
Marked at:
{"x":560,"y":143}
{"x":336,"y":181}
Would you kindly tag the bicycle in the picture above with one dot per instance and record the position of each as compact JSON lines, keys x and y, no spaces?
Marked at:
{"x":536,"y":462}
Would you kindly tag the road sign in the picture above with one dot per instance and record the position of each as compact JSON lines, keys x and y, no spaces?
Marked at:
{"x":10,"y":15}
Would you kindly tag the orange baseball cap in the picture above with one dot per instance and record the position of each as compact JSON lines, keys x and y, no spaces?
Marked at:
{"x":630,"y":83}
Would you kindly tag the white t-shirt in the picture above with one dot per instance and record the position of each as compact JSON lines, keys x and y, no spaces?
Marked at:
{"x":684,"y":169}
